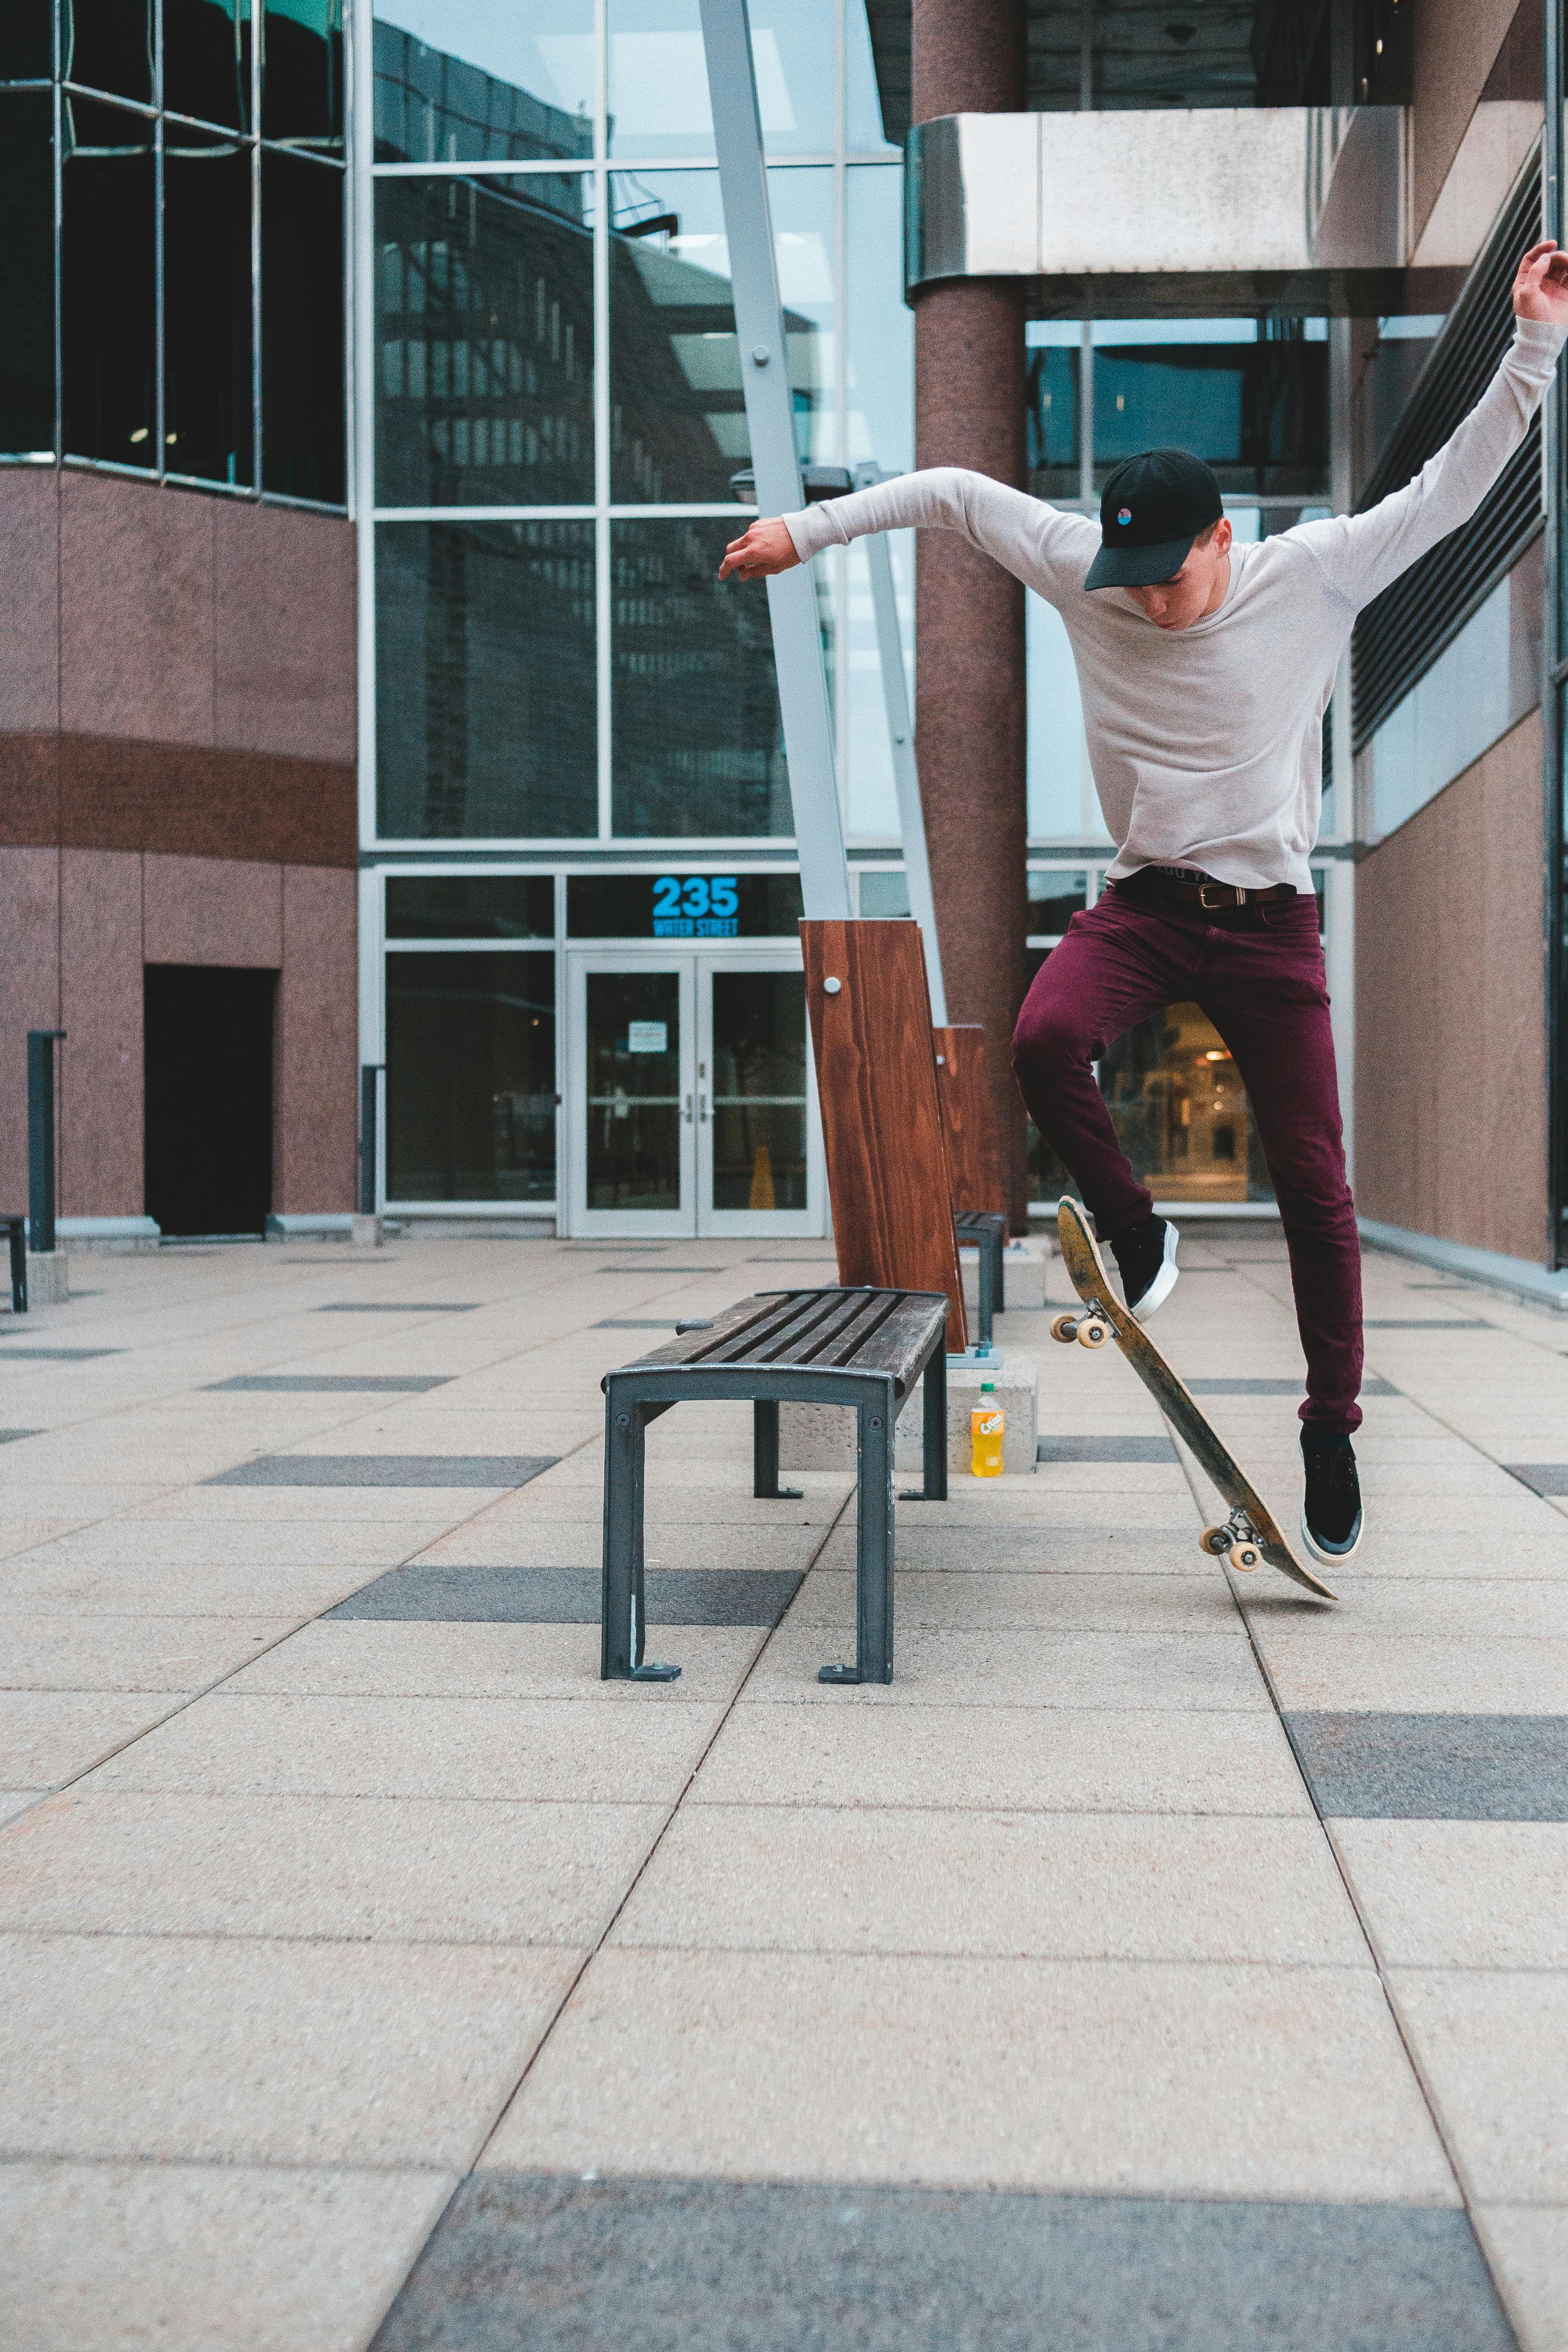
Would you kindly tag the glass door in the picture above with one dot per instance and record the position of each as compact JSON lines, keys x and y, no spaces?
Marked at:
{"x":756,"y":1170}
{"x":631,"y":1157}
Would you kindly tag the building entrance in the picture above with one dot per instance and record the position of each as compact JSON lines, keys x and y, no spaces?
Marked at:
{"x":691,"y":1102}
{"x":207,"y":1041}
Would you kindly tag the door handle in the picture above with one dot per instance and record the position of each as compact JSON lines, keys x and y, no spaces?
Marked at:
{"x":687,"y":1113}
{"x":703,"y":1108}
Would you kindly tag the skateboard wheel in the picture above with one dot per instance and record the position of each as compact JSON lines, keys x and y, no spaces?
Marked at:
{"x":1245,"y":1556}
{"x":1215,"y":1540}
{"x":1090,"y":1334}
{"x":1064,"y":1329}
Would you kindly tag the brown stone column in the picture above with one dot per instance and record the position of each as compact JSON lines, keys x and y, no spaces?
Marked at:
{"x":968,"y":58}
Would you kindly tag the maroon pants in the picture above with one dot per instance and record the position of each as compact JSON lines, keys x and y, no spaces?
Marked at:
{"x":1257,"y":973}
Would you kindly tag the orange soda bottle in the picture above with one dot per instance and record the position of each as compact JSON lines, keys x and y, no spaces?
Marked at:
{"x":985,"y":1425}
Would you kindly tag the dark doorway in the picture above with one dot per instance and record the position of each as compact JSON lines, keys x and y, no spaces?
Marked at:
{"x":209,"y":1134}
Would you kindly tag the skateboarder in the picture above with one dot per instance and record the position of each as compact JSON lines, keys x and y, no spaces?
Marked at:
{"x":1204,"y":671}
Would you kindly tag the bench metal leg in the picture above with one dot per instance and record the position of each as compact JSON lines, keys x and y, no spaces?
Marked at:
{"x":987,"y":1316}
{"x":1001,"y":1298}
{"x":623,"y":1626}
{"x":933,"y":1435}
{"x":765,"y":1454}
{"x":18,"y":1271}
{"x":873,"y":1548}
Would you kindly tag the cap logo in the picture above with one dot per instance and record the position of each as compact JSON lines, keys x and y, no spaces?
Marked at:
{"x":1124,"y":515}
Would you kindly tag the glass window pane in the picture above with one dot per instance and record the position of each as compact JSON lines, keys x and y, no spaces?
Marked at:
{"x":1054,"y":897}
{"x":207,"y":60}
{"x":1250,"y":400}
{"x":759,"y":1090}
{"x":470,"y":907}
{"x":207,"y":413}
{"x":1180,"y":1111}
{"x":483,"y":82}
{"x":683,"y":906}
{"x":801,"y":204}
{"x":1051,"y":408}
{"x":471,"y":1077}
{"x":485,"y":323}
{"x":108,"y":45}
{"x":659,"y":77}
{"x":302,"y":72}
{"x":885,"y":895}
{"x":302,"y":394}
{"x":108,"y":321}
{"x":633,"y":1089}
{"x":698,"y":744}
{"x":864,"y":131}
{"x":486,"y":713}
{"x":879,"y":326}
{"x":26,"y":41}
{"x":27,"y":273}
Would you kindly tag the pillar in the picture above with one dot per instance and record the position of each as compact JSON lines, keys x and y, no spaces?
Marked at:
{"x":968,"y":58}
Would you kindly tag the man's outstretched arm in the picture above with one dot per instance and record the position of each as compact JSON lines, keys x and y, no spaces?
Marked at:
{"x":1029,"y":537}
{"x":1361,"y":554}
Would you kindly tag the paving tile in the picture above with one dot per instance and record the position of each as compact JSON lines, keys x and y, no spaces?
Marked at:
{"x":1045,"y":1885}
{"x":1470,"y":1609}
{"x":1541,"y":1477}
{"x":95,"y":1861}
{"x":223,"y":1542}
{"x":561,"y":1750}
{"x":432,"y":1591}
{"x":428,"y":1470}
{"x":976,"y":1601}
{"x":1141,"y":2079}
{"x":1527,"y":2246}
{"x":204,"y":2258}
{"x":401,"y":1307}
{"x":1372,"y":1386}
{"x":1385,"y":1673}
{"x":117,"y":2046}
{"x":48,"y":1737}
{"x":1023,"y":1669}
{"x":129,"y":1654}
{"x":175,"y":1589}
{"x":366,"y":1657}
{"x":1064,"y":1760}
{"x":1435,"y":1767}
{"x":330,"y":1384}
{"x":709,"y":2266}
{"x":1464,"y":1894}
{"x":545,"y":1540}
{"x":1105,"y":1449}
{"x":1053,"y":1551}
{"x":16,"y":1800}
{"x":1493,"y":2052}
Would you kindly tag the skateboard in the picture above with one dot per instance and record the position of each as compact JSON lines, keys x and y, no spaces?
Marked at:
{"x":1249,"y":1535}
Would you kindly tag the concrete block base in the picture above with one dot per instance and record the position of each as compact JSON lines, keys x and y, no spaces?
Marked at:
{"x":367,"y":1232}
{"x":822,"y":1436}
{"x":47,"y":1282}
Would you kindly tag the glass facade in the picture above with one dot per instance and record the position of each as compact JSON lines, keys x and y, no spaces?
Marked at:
{"x":173,"y":185}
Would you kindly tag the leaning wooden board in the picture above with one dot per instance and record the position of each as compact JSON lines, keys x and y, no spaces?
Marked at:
{"x":1251,"y":1526}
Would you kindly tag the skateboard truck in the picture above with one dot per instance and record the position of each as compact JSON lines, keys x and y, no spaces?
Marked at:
{"x":1090,"y":1330}
{"x":1236,"y":1539}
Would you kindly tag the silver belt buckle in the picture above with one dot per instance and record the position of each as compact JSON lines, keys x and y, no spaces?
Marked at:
{"x":1213,"y":904}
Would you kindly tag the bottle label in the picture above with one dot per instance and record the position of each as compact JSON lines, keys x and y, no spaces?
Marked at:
{"x":987,"y":1424}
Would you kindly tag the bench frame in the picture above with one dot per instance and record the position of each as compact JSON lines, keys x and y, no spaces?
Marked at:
{"x":17,"y":1238}
{"x":986,"y":1231}
{"x":637,"y":1394}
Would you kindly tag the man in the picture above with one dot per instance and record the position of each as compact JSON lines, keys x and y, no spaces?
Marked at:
{"x":1205,"y":671}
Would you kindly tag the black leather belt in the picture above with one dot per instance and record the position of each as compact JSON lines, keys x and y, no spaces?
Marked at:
{"x":1201,"y":890}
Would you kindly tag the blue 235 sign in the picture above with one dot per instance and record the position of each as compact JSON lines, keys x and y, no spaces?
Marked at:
{"x":696,"y":894}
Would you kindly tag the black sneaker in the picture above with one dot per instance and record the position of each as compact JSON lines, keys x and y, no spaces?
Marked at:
{"x":1145,"y":1256}
{"x":1330,"y":1515}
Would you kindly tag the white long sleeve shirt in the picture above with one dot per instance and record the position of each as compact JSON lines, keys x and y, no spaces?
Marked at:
{"x":1206,"y":742}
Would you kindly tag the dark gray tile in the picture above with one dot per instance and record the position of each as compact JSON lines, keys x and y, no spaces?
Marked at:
{"x":808,"y":1264}
{"x":1371,"y":1386}
{"x":1426,"y":1323}
{"x":439,"y":1592}
{"x":398,"y":1306}
{"x":1435,"y":1767}
{"x":333,"y":1383}
{"x":635,"y":1323}
{"x":662,"y":1269}
{"x":560,"y":2264}
{"x":11,"y":1355}
{"x":1541,"y":1477}
{"x":385,"y":1470}
{"x":1104,"y":1449}
{"x":9,"y":1436}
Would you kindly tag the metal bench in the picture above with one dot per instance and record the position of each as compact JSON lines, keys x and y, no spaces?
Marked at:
{"x":16,"y":1230}
{"x":861,"y":1348}
{"x":986,"y":1231}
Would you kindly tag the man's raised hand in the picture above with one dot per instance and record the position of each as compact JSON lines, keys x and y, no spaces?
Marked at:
{"x":766,"y":547}
{"x":1541,"y":288}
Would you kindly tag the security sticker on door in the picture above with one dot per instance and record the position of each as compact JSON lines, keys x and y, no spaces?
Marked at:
{"x":647,"y":1037}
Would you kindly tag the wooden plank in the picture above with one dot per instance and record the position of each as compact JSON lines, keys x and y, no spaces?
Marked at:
{"x":969,"y":1119}
{"x":897,"y":1348}
{"x":809,"y":1314}
{"x":696,"y":1347}
{"x":882,"y":1123}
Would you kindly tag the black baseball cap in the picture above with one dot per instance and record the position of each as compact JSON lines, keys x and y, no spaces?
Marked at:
{"x":1153,"y":507}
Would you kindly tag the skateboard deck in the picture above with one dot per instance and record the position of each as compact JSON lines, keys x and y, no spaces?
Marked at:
{"x":1251,"y":1532}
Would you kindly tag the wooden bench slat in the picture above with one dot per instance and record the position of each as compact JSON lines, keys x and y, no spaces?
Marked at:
{"x":844,"y":1346}
{"x":902,"y":1339}
{"x":698,"y":1346}
{"x":804,"y":1312}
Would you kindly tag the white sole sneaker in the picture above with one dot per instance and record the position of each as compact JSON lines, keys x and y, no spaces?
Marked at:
{"x":1323,"y":1553}
{"x":1165,"y":1282}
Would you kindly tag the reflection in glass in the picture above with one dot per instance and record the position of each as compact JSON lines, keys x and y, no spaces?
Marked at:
{"x":27,"y":273}
{"x":302,"y":72}
{"x":878,"y":325}
{"x":27,"y":45}
{"x":1180,"y":1111}
{"x":885,"y":895}
{"x":206,"y":307}
{"x":865,"y":131}
{"x":486,"y":717}
{"x":497,"y":85}
{"x":207,"y":60}
{"x":697,"y":740}
{"x":301,"y":328}
{"x":471,"y":1077}
{"x":1249,"y":396}
{"x":1054,"y":897}
{"x":470,"y":907}
{"x":659,"y":77}
{"x":108,"y":45}
{"x":1051,"y":407}
{"x":108,"y":301}
{"x":666,"y":906}
{"x":485,"y":327}
{"x":632,"y":1089}
{"x":759,"y":1090}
